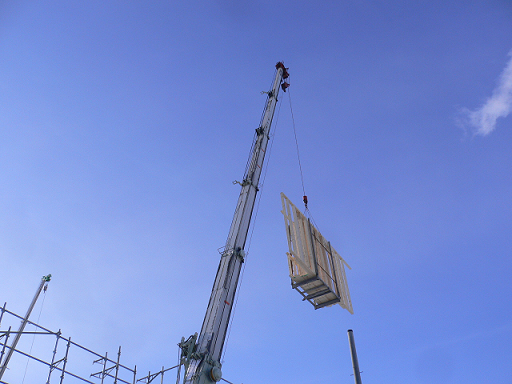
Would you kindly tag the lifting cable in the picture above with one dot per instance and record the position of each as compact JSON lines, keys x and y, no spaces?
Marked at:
{"x":307,"y":212}
{"x":304,"y":198}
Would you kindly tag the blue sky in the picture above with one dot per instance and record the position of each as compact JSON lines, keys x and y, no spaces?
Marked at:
{"x":123,"y":125}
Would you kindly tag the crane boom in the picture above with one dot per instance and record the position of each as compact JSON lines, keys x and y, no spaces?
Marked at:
{"x":12,"y":348}
{"x":202,"y":359}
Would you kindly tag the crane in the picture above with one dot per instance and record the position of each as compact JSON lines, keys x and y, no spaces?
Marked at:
{"x":43,"y":285}
{"x":201,"y":354}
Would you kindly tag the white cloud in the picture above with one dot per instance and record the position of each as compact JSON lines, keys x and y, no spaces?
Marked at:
{"x":483,"y":119}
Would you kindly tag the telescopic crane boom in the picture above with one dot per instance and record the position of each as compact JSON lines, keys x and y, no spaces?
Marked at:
{"x":42,"y":286}
{"x":201,"y":354}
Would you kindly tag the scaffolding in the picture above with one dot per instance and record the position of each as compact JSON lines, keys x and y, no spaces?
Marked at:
{"x":59,"y":369}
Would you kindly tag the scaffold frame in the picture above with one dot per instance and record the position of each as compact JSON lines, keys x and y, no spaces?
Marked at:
{"x":112,"y":371}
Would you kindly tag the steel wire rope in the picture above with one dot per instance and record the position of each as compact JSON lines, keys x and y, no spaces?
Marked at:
{"x":297,"y":145}
{"x":253,"y":224}
{"x":307,"y":212}
{"x":34,"y":336}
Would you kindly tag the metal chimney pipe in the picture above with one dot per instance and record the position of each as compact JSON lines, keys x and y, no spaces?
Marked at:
{"x":353,"y":354}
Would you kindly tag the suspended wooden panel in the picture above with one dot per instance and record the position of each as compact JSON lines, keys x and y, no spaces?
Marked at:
{"x":317,"y":271}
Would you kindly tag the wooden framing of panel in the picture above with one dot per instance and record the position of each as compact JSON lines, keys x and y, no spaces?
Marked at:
{"x":317,"y":271}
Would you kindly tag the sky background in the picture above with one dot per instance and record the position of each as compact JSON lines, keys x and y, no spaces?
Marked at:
{"x":124,"y":123}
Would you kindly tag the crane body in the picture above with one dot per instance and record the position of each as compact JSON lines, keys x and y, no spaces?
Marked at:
{"x":201,"y":354}
{"x":12,"y":348}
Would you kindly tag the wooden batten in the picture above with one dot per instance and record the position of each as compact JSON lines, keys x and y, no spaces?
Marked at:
{"x":317,"y":271}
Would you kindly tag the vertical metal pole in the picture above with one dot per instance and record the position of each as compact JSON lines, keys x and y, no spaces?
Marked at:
{"x":117,"y":364}
{"x":134,"y":374}
{"x":24,"y":322}
{"x":353,"y":354}
{"x":104,"y":367}
{"x":52,"y":365}
{"x":65,"y":361}
{"x":5,"y":343}
{"x":2,"y":315}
